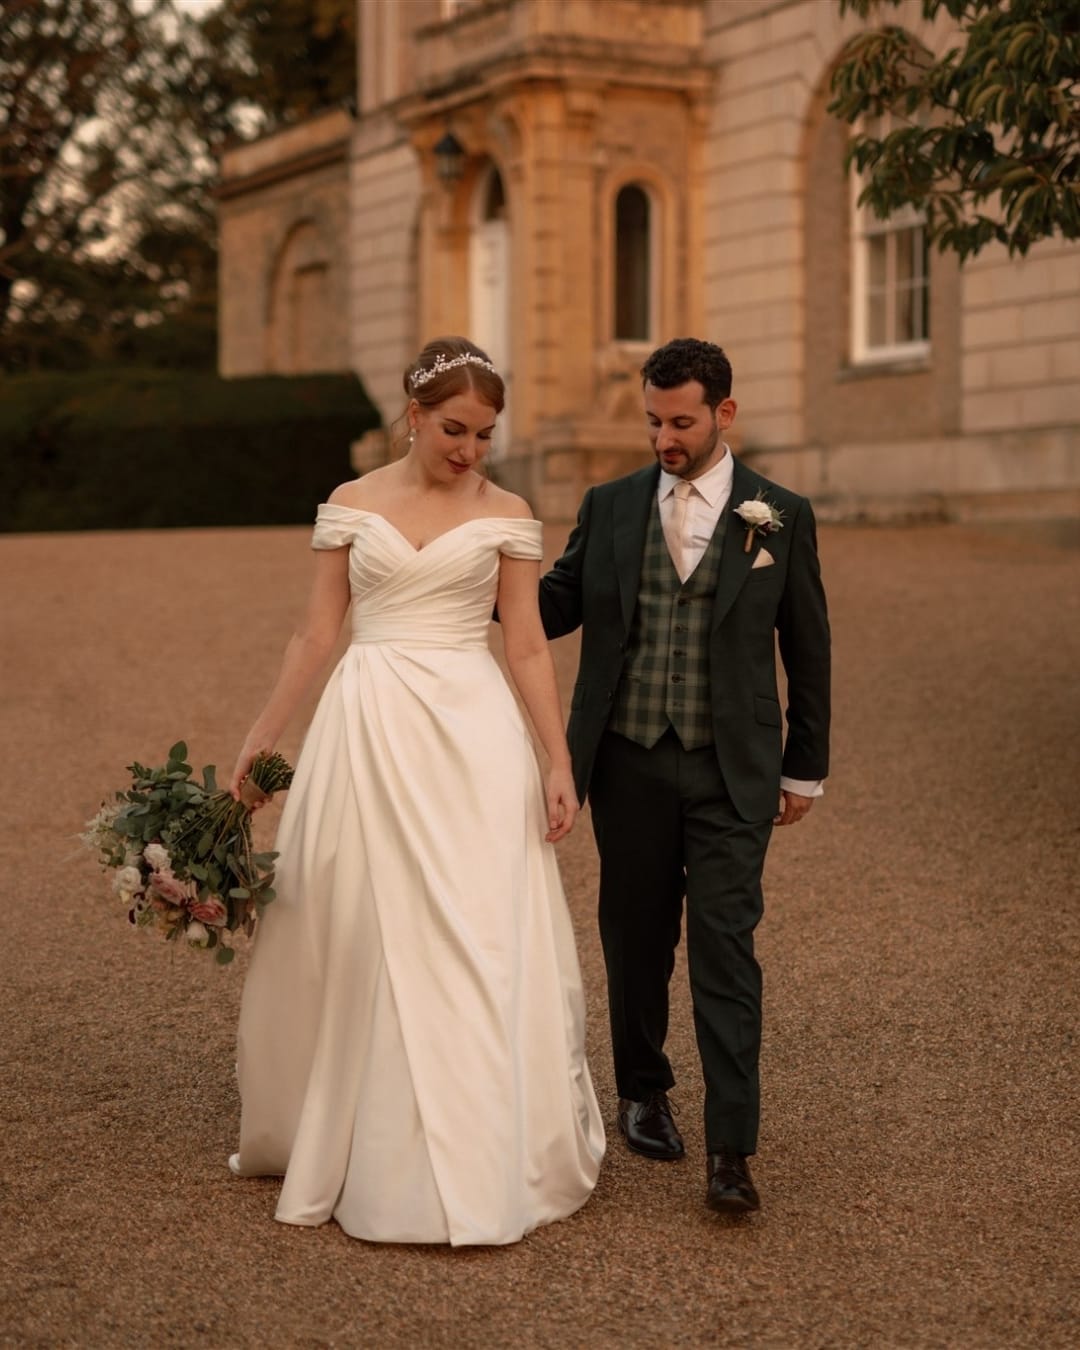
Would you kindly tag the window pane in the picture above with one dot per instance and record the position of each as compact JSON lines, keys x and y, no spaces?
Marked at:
{"x":632,"y":265}
{"x":876,"y":325}
{"x":905,"y":259}
{"x":891,"y":305}
{"x":878,"y":249}
{"x":495,"y":197}
{"x":925,"y":308}
{"x":905,"y":315}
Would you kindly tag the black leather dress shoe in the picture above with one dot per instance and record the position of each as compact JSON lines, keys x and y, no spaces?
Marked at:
{"x":649,"y":1128}
{"x":731,"y":1189}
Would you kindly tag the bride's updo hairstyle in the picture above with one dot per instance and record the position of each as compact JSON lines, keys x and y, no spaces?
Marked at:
{"x":448,"y":366}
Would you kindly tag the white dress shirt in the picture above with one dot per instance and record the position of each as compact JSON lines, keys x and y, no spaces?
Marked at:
{"x":711,"y":493}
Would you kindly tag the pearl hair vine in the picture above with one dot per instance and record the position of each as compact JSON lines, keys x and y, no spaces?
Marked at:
{"x":441,"y":364}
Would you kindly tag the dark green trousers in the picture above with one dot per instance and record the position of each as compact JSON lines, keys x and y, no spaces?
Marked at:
{"x":666,"y":829}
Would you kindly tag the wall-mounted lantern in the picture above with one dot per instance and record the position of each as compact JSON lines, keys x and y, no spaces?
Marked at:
{"x":449,"y":159}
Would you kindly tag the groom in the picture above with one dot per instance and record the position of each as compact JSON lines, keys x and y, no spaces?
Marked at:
{"x":676,"y":731}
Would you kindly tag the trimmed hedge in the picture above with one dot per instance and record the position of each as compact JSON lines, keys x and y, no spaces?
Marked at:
{"x":146,"y":449}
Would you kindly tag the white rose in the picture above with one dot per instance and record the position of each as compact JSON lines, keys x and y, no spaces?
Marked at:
{"x":197,"y":934}
{"x":755,"y":513}
{"x":128,"y":880}
{"x":157,"y":856}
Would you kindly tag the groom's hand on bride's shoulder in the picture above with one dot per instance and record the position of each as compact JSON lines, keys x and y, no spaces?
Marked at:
{"x":792,"y":808}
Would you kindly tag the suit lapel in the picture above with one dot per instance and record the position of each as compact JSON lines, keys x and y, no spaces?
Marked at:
{"x":630,"y":512}
{"x":735,"y":562}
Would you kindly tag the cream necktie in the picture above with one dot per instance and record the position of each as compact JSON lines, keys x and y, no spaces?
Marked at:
{"x":676,"y":533}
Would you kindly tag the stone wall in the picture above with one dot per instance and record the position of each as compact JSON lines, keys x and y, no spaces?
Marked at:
{"x":283,"y":249}
{"x":987,"y":423}
{"x":341,"y":249}
{"x":384,"y":192}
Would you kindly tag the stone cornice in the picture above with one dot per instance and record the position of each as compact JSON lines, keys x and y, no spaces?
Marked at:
{"x":318,"y":157}
{"x":301,"y":147}
{"x":553,"y":62}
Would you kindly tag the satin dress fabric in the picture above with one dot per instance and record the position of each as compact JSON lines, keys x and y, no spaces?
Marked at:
{"x":411,"y":1041}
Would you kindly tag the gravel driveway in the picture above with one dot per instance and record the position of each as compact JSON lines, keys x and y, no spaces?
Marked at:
{"x":918,"y":1161}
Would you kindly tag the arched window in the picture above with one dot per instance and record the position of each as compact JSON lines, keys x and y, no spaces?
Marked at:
{"x":300,"y":334}
{"x":633,"y":265}
{"x":493,"y":206}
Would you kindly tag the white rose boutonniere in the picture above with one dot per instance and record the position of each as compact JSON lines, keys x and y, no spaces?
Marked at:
{"x":761,"y":517}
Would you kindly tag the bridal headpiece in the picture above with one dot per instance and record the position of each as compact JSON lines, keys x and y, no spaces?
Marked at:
{"x":441,"y":364}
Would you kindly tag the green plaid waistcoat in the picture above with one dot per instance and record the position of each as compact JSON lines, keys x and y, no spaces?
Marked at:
{"x":665,"y":678}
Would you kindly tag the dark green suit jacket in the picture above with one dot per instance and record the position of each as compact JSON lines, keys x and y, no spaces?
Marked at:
{"x":595,"y":585}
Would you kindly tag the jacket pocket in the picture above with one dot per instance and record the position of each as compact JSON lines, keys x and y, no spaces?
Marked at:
{"x":767,"y":712}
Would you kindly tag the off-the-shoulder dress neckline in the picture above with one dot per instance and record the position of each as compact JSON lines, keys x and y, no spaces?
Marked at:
{"x":473,"y":520}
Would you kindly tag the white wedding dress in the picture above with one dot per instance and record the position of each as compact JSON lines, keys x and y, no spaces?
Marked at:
{"x":411,"y":1043}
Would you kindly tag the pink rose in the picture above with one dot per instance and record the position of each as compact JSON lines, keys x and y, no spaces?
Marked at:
{"x":170,"y":888}
{"x":210,"y":911}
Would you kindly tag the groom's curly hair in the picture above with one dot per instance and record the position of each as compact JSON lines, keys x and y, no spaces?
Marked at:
{"x":685,"y":359}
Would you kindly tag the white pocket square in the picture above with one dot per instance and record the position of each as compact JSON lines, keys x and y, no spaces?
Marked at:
{"x":763,"y":559}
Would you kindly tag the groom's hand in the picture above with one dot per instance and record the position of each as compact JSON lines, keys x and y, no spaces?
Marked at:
{"x":792,"y":808}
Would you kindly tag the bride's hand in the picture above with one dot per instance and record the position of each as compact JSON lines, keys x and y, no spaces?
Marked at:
{"x":243,"y":767}
{"x":562,"y":804}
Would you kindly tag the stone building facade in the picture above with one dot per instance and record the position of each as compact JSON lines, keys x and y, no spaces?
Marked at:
{"x":635,"y":170}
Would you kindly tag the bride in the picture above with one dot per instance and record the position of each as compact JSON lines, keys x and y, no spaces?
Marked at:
{"x":411,"y":1043}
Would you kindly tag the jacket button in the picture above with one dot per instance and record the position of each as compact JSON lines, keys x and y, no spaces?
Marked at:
{"x":676,"y":679}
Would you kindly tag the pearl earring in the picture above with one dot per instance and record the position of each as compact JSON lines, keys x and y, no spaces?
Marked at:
{"x":412,"y":437}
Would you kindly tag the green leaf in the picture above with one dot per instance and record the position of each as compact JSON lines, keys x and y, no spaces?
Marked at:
{"x":179,"y":752}
{"x":210,"y":777}
{"x":239,"y":893}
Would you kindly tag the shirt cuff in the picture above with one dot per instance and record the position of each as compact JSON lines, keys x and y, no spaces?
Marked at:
{"x":803,"y":787}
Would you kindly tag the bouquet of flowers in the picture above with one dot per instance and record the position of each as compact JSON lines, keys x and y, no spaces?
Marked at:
{"x":180,"y":851}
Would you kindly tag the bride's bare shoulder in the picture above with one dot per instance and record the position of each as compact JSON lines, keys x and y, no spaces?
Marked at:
{"x":358,"y":493}
{"x":500,"y":502}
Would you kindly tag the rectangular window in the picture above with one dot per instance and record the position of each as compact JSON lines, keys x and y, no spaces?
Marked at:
{"x":890,"y":290}
{"x":633,"y":265}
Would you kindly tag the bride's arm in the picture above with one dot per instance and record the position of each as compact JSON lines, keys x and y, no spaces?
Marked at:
{"x":306,"y":654}
{"x":533,"y":671}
